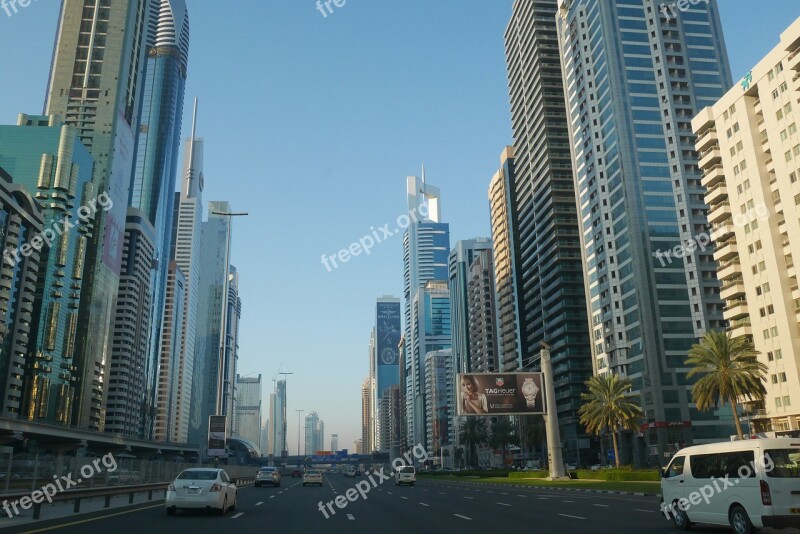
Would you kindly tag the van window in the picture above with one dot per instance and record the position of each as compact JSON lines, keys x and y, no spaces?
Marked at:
{"x":676,"y":467}
{"x":407,"y":469}
{"x":737,"y":464}
{"x":786,"y":463}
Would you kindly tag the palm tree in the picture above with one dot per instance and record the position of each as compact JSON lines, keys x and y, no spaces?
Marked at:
{"x":607,"y":406}
{"x":503,"y":434}
{"x":473,"y":432}
{"x":729,"y":370}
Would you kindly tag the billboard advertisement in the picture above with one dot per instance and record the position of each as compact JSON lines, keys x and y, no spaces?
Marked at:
{"x":500,"y":394}
{"x":388,"y":334}
{"x":217,"y":435}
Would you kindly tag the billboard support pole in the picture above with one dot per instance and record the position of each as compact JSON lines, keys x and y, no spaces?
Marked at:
{"x":554,"y":458}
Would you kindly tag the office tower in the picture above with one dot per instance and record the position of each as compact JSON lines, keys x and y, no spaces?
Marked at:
{"x":186,"y":236}
{"x":374,"y":431}
{"x":95,"y":84}
{"x":313,"y":443}
{"x":430,"y":328}
{"x":482,"y":314}
{"x":334,"y":442}
{"x":266,"y":445}
{"x":157,"y":148}
{"x":247,"y":409}
{"x":391,"y":415}
{"x":386,"y":363}
{"x":45,"y":157}
{"x":633,"y":80}
{"x":401,"y":351}
{"x":366,"y":415}
{"x":358,"y":446}
{"x":230,"y":357}
{"x":21,"y":222}
{"x":749,"y":151}
{"x":460,"y":260}
{"x":277,"y":419}
{"x":319,"y":437}
{"x":128,"y":407}
{"x":439,"y":401}
{"x":426,"y":247}
{"x":505,"y":269}
{"x":170,"y":355}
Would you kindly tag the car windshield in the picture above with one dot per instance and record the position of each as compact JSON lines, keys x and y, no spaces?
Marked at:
{"x":198,"y":475}
{"x":785,"y":462}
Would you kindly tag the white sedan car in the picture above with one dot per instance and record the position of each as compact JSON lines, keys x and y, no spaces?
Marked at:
{"x":312,"y":476}
{"x":202,"y":488}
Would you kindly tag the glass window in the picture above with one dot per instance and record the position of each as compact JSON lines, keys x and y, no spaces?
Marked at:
{"x":786,"y":463}
{"x":676,"y":467}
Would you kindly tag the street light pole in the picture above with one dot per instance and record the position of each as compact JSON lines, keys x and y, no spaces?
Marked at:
{"x":298,"y":430}
{"x":223,"y":341}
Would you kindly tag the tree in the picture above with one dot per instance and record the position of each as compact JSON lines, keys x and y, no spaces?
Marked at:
{"x":533,"y":432}
{"x":473,"y":432}
{"x":503,"y":434}
{"x":729,"y":370}
{"x":607,"y":406}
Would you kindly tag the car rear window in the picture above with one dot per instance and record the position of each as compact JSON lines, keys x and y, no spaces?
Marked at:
{"x":786,"y":463}
{"x":312,"y":472}
{"x":407,"y":470}
{"x":267,"y":469}
{"x":198,"y":475}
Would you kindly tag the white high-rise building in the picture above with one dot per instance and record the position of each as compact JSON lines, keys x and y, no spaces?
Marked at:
{"x":247,"y":409}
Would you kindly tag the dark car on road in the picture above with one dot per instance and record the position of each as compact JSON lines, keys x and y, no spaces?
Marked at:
{"x":296,"y":473}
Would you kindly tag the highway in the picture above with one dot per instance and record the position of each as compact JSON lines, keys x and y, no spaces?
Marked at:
{"x":430,"y":506}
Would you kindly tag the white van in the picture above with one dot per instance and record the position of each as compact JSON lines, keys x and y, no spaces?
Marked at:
{"x":746,"y":484}
{"x":405,"y":474}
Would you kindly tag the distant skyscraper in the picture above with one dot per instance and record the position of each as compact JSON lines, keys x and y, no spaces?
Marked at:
{"x":170,"y":354}
{"x":187,"y":222}
{"x":358,"y":446}
{"x":334,"y":442}
{"x":386,"y":362}
{"x":439,"y":400}
{"x":277,"y":419}
{"x":366,"y":415}
{"x":46,"y":157}
{"x":129,"y":411}
{"x":95,"y":84}
{"x":482,"y":315}
{"x":391,"y":411}
{"x":20,"y":222}
{"x":247,"y":409}
{"x":633,"y":81}
{"x":157,"y":149}
{"x":266,"y":446}
{"x":231,"y":350}
{"x":426,"y":247}
{"x":314,"y":433}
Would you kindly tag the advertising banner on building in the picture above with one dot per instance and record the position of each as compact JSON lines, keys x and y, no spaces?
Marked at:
{"x":499,"y":394}
{"x":217,"y":435}
{"x":388,"y":334}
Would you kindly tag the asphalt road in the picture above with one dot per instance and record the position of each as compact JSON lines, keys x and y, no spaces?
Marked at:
{"x":429,"y":507}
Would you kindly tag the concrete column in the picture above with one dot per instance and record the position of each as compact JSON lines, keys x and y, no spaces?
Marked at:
{"x":555,"y":459}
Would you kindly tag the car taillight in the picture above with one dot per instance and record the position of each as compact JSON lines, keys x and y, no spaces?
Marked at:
{"x":215,"y":487}
{"x":766,"y":497}
{"x":171,"y":487}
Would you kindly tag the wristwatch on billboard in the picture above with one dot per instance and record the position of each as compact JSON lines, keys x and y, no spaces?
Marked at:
{"x":529,"y":390}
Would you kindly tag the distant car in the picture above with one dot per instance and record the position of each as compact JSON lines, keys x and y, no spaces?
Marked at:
{"x":268,"y":476}
{"x":350,"y":472}
{"x":296,"y":473}
{"x":595,"y":467}
{"x":312,"y":476}
{"x":406,"y":474}
{"x":201,"y":488}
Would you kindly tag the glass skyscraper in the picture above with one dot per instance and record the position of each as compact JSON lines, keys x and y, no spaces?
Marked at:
{"x":633,"y":80}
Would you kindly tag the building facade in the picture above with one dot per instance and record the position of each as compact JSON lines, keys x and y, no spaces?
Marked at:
{"x":385,"y":361}
{"x":482,"y":315}
{"x":247,"y":409}
{"x":440,"y":402}
{"x":165,"y":427}
{"x":366,"y":415}
{"x":749,"y":150}
{"x":633,"y":80}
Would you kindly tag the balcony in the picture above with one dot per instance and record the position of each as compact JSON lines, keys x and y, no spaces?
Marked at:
{"x":716,"y":194}
{"x":732,"y":289}
{"x":722,"y":232}
{"x":720,"y":212}
{"x":729,"y":269}
{"x":736,"y":309}
{"x":741,"y":327}
{"x":710,"y":157}
{"x":706,"y":140}
{"x":726,"y":250}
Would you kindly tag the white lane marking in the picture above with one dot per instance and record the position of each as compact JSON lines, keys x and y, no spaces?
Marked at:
{"x":259,"y":503}
{"x":572,"y":516}
{"x":423,"y":504}
{"x":640,"y":510}
{"x":542,"y":498}
{"x":470,"y":498}
{"x":442,"y":493}
{"x":501,"y":493}
{"x":350,"y":517}
{"x":568,"y":501}
{"x":237,"y":515}
{"x":601,"y":505}
{"x":503,"y":504}
{"x":463,"y":517}
{"x":272,"y":496}
{"x":406,"y":498}
{"x":487,"y":491}
{"x":390,"y":493}
{"x":523,"y":496}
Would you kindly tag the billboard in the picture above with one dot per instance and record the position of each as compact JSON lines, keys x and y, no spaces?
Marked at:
{"x":388,"y":335}
{"x":500,"y":394}
{"x":217,"y":435}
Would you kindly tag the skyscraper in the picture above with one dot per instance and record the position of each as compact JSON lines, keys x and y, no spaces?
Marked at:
{"x":749,"y":150}
{"x":314,"y":433}
{"x":247,"y":409}
{"x":277,"y":419}
{"x":334,"y":442}
{"x":633,"y":80}
{"x":165,"y":428}
{"x":45,"y":157}
{"x":157,"y":149}
{"x":544,"y":244}
{"x":426,"y":247}
{"x":366,"y":415}
{"x":386,"y":363}
{"x":230,"y":356}
{"x":95,"y":85}
{"x":439,"y":401}
{"x":482,"y":318}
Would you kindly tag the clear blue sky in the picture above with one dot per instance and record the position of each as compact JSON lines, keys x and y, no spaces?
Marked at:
{"x":311,"y":125}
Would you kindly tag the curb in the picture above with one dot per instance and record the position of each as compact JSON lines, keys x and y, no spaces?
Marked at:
{"x":548,"y":488}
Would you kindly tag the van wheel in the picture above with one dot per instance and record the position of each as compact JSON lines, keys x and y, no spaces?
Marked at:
{"x":740,"y":521}
{"x":680,"y":518}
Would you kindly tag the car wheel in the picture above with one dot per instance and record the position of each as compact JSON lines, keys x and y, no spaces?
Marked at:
{"x":740,"y":521}
{"x":680,"y":518}
{"x":224,"y":506}
{"x":171,"y":510}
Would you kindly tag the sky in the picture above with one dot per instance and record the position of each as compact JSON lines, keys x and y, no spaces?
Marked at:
{"x":311,"y":124}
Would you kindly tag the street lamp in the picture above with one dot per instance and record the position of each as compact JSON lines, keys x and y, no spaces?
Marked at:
{"x":223,"y":341}
{"x":298,"y":430}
